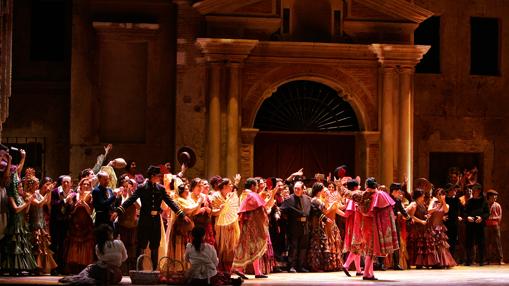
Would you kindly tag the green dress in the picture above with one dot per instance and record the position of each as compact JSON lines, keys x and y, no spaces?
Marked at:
{"x":16,"y":248}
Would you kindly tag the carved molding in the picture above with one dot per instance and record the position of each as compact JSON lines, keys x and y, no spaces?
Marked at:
{"x":399,"y":9}
{"x":225,"y":49}
{"x":126,"y":31}
{"x":267,"y":25}
{"x":210,"y":6}
{"x":399,"y":55}
{"x":301,"y":50}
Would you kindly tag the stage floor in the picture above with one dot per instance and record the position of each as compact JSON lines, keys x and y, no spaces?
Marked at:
{"x":461,"y":275}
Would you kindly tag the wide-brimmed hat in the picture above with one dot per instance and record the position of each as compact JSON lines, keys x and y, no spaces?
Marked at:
{"x":492,"y":192}
{"x":186,"y":156}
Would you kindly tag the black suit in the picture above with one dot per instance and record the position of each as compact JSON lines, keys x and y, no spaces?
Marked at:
{"x":476,"y":207}
{"x":455,"y":210}
{"x":149,"y":224}
{"x":298,"y":229}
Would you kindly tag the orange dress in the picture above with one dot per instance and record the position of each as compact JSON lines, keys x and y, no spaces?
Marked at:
{"x":80,"y":238}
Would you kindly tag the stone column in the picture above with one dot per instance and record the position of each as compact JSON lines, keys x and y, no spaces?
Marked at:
{"x":387,"y":151}
{"x":232,"y":141}
{"x":404,"y":57}
{"x":406,"y":134}
{"x":214,"y":124}
{"x":6,"y":20}
{"x":234,"y":52}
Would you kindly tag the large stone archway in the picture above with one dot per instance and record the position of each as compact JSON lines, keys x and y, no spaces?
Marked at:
{"x":362,"y":101}
{"x":351,"y":90}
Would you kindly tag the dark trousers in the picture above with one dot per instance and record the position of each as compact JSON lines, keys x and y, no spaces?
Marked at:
{"x":58,"y":233}
{"x":475,"y":236}
{"x":149,"y":231}
{"x":102,"y":218}
{"x":298,"y":239}
{"x":452,"y":236}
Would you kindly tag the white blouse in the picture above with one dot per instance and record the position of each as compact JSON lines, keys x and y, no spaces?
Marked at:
{"x":203,"y":262}
{"x":114,"y":253}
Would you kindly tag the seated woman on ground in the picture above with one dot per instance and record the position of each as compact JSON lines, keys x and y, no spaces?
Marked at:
{"x":110,"y":255}
{"x":203,"y":259}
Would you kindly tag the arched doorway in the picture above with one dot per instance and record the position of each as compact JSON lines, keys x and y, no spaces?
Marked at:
{"x":304,"y":124}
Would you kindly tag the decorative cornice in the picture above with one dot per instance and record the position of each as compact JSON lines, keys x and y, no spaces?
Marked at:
{"x":328,"y":51}
{"x":225,"y":49}
{"x":399,"y":9}
{"x":210,"y":6}
{"x":267,"y":24}
{"x":125,"y":26}
{"x":399,"y":55}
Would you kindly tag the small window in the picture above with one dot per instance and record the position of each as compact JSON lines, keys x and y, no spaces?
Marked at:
{"x":428,"y":33}
{"x":49,"y":37}
{"x":484,"y":46}
{"x":286,"y":20}
{"x":337,"y":23}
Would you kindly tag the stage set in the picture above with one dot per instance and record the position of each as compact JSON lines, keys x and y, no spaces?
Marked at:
{"x":461,"y":275}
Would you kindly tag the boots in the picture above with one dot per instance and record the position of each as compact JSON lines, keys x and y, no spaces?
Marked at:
{"x":379,"y":264}
{"x":395,"y":261}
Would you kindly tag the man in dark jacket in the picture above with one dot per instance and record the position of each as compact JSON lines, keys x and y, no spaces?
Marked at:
{"x":296,"y":209}
{"x":151,"y":195}
{"x":399,"y":211}
{"x":103,"y":199}
{"x":453,"y":216}
{"x":477,"y":212}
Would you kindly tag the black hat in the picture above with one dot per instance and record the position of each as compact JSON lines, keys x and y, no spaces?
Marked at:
{"x":351,"y":183}
{"x":153,"y":170}
{"x":186,"y":156}
{"x":395,"y":186}
{"x":371,"y":183}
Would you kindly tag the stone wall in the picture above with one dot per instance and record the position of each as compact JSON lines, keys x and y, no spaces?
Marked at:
{"x":459,"y":112}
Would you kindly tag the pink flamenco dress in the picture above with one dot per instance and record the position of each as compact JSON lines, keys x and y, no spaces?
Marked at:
{"x":254,"y":231}
{"x":378,"y":228}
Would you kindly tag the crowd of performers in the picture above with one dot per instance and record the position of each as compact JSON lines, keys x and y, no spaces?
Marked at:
{"x":256,"y":227}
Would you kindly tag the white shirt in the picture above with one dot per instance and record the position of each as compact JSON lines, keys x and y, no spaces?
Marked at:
{"x":114,"y":253}
{"x":203,"y":262}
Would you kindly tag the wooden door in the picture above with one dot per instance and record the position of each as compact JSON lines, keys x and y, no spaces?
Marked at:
{"x":279,"y":154}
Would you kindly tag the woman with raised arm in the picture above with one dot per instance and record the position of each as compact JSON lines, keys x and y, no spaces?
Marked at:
{"x":438,"y":208}
{"x":16,"y":249}
{"x":40,"y":238}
